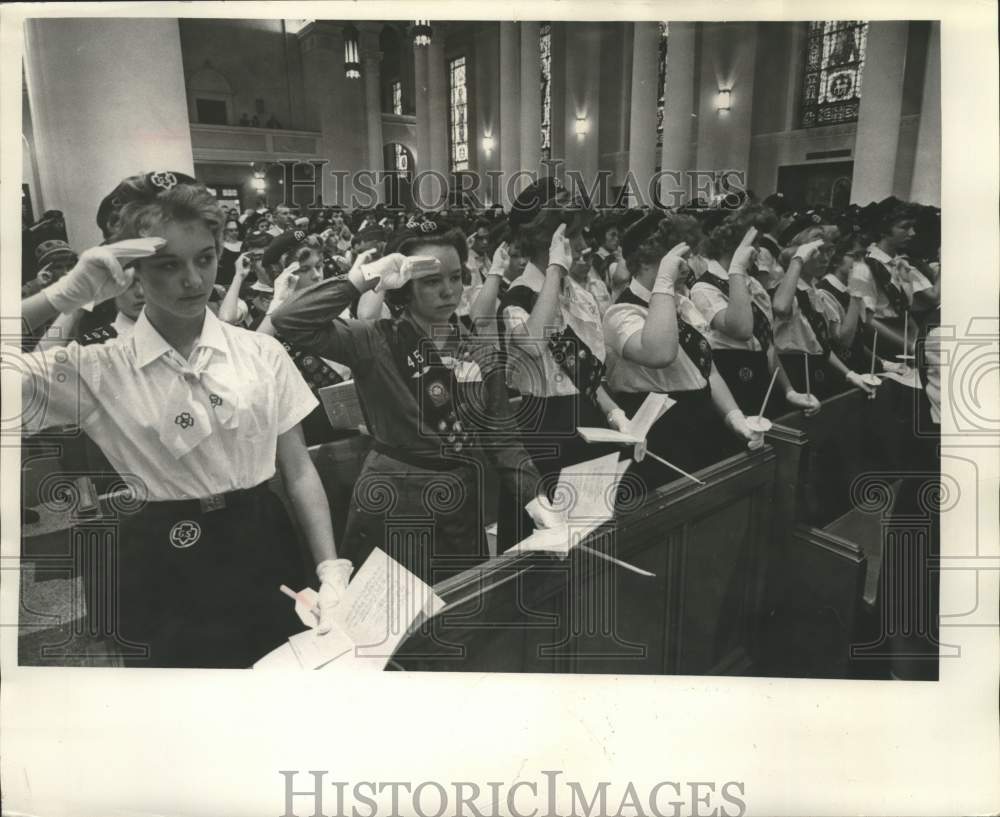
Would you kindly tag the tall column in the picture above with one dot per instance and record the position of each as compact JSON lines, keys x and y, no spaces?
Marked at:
{"x":878,"y":117}
{"x":642,"y":119}
{"x":531,"y":102}
{"x":583,"y":79}
{"x":339,"y":102}
{"x":371,"y":56}
{"x":438,"y":87}
{"x":93,"y":120}
{"x":926,"y":186}
{"x":422,"y":105}
{"x":677,"y":156}
{"x":510,"y":104}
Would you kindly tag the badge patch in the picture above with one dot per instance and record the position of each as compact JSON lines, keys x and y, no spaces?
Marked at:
{"x":746,"y":374}
{"x":184,"y":534}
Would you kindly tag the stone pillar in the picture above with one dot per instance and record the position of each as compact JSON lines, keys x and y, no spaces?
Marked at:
{"x":371,"y":56}
{"x":878,"y":117}
{"x":437,"y":81}
{"x":96,"y":122}
{"x":422,"y":105}
{"x":642,"y":119}
{"x":531,"y":102}
{"x":677,"y":156}
{"x":583,"y":79}
{"x":340,"y":104}
{"x":510,"y":107}
{"x":926,"y":186}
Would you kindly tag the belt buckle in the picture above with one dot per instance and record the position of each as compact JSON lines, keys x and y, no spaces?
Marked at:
{"x":214,"y":502}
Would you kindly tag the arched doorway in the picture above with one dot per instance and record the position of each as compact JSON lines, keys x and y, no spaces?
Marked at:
{"x":399,"y":176}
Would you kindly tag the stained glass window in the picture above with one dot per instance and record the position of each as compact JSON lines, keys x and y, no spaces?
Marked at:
{"x":835,"y":55}
{"x":457,"y":113}
{"x":661,"y":91}
{"x":397,"y":98}
{"x":545,"y":50}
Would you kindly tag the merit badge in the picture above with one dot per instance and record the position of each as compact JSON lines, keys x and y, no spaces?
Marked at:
{"x":184,"y":534}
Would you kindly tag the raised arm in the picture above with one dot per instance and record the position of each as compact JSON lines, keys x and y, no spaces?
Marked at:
{"x":656,"y":345}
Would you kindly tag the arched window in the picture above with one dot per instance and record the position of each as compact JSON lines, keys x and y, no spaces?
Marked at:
{"x":545,"y":51}
{"x":835,"y":55}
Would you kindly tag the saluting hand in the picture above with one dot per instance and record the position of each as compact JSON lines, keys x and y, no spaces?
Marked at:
{"x":101,"y":273}
{"x":560,"y":252}
{"x":501,"y":261}
{"x":672,"y":266}
{"x":806,"y":252}
{"x":743,"y":260}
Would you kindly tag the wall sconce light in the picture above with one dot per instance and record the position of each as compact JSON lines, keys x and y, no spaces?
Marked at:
{"x":488,"y":144}
{"x":723,"y":102}
{"x":352,"y":64}
{"x":259,"y":184}
{"x":582,"y":126}
{"x":422,"y":32}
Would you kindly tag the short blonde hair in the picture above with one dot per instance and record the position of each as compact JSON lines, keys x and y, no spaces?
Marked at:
{"x":181,"y":203}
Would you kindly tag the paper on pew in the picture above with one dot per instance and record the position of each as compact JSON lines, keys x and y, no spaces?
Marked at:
{"x":379,"y":607}
{"x":651,"y":410}
{"x":911,"y":379}
{"x":591,"y":488}
{"x":342,"y":407}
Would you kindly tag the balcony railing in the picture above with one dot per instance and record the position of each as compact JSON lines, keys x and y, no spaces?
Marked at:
{"x":227,"y":142}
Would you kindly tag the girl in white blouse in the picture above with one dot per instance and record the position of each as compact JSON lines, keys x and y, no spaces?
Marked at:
{"x":198,"y":414}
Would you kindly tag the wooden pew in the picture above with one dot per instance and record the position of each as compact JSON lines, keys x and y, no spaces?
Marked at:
{"x":701,"y":613}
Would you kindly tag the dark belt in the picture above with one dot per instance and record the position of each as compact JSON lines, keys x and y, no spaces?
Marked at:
{"x":428,"y":463}
{"x":208,"y":504}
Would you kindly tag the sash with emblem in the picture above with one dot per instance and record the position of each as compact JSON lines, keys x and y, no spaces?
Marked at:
{"x":440,"y":390}
{"x":761,"y":325}
{"x":816,"y":321}
{"x":694,"y":344}
{"x":897,"y":300}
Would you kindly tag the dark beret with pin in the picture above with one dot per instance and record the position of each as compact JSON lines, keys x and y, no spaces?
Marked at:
{"x":288,"y":240}
{"x":640,"y":230}
{"x":137,"y":188}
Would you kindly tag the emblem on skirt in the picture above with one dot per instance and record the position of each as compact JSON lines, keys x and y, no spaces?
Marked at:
{"x":185,"y":533}
{"x":819,"y":375}
{"x":184,"y":420}
{"x":746,"y":374}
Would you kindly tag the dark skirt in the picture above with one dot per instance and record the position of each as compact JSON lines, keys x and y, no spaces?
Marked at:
{"x":428,"y":517}
{"x":201,"y":589}
{"x":747,"y":375}
{"x":824,"y":380}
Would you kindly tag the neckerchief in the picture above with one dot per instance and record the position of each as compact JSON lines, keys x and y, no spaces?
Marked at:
{"x":761,"y":325}
{"x":435,"y":386}
{"x":191,"y":399}
{"x":816,"y":321}
{"x":690,"y":339}
{"x":883,"y":278}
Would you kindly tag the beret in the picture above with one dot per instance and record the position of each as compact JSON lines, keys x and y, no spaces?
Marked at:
{"x":288,"y":240}
{"x":144,"y":188}
{"x":640,"y":230}
{"x":48,"y":251}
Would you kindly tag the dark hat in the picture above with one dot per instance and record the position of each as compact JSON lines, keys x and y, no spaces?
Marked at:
{"x":145,"y":187}
{"x":49,"y":251}
{"x":421,"y":225}
{"x":288,"y":240}
{"x":257,"y":239}
{"x":549,"y":193}
{"x":640,"y":230}
{"x":372,"y":231}
{"x":604,"y":222}
{"x":778,"y":203}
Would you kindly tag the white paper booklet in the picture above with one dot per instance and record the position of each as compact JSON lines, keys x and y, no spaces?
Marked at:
{"x":651,"y":410}
{"x":382,"y":602}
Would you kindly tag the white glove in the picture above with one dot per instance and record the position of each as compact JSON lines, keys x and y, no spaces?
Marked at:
{"x":737,"y":422}
{"x":284,"y":285}
{"x":893,"y":368}
{"x":334,"y":574}
{"x":395,"y":269}
{"x":618,"y":421}
{"x":858,"y":382}
{"x":806,"y":251}
{"x":543,"y":514}
{"x":672,"y":267}
{"x":743,"y":259}
{"x":560,"y":253}
{"x":99,"y":275}
{"x":501,"y":261}
{"x":807,"y":402}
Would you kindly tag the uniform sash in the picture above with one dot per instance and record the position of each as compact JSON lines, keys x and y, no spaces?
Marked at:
{"x":694,"y":344}
{"x":761,"y":325}
{"x":883,"y":278}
